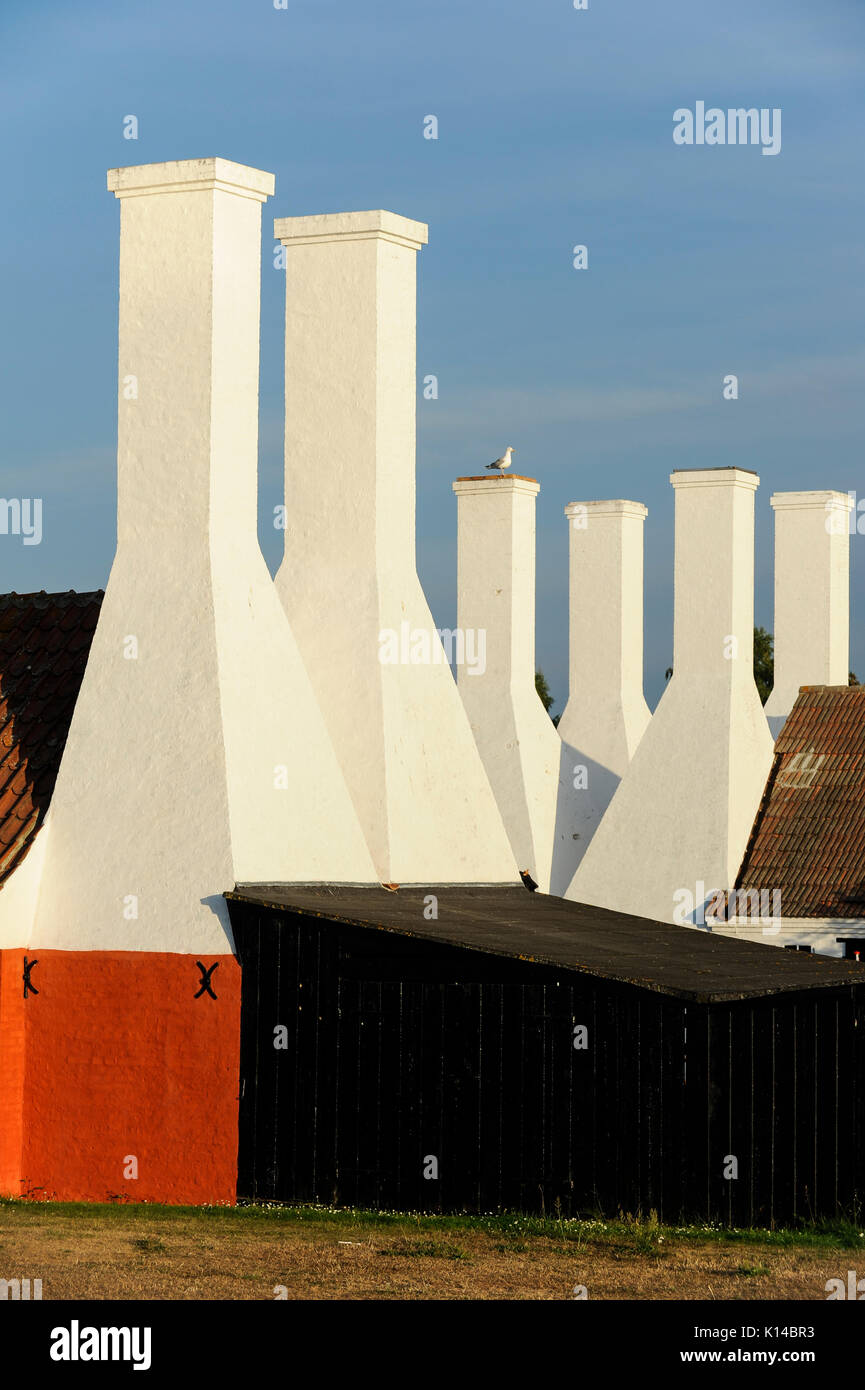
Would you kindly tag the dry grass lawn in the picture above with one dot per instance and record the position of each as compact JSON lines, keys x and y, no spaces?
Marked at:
{"x":141,"y":1252}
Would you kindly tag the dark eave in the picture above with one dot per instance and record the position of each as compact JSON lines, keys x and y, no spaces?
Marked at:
{"x":681,"y":961}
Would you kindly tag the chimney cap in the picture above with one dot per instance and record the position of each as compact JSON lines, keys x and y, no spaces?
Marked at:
{"x":826,"y":499}
{"x":191,"y":176}
{"x":614,"y":506}
{"x":730,"y":476}
{"x":377,"y":224}
{"x":479,"y":482}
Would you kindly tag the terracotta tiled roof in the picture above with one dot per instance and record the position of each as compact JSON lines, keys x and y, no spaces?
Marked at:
{"x":44,"y":644}
{"x":808,"y":840}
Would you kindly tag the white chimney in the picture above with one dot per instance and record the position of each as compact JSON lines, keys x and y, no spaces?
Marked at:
{"x":812,"y":596}
{"x":348,"y":581}
{"x":680,"y":820}
{"x":496,"y":595}
{"x":197,"y":756}
{"x":606,"y":714}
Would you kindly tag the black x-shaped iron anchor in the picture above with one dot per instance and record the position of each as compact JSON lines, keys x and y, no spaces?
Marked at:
{"x":28,"y":966}
{"x":205,"y":979}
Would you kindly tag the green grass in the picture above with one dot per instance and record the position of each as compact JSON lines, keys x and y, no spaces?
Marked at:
{"x":644,"y":1234}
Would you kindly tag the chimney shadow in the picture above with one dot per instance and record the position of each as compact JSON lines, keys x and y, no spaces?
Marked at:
{"x":586,"y":788}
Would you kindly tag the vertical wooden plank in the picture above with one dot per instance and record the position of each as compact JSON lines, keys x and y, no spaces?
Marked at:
{"x":719,"y":1116}
{"x":491,"y":1068}
{"x":532,"y":1102}
{"x":559,"y":1091}
{"x":607,"y":1161}
{"x":511,"y":1114}
{"x":331,"y":950}
{"x":628,"y":1121}
{"x":456,"y":1144}
{"x":592,"y":1146}
{"x":321,"y":1023}
{"x":805,"y":1132}
{"x":674,"y":1138}
{"x":280,"y":1063}
{"x":371,"y":1092}
{"x":763,"y":1053}
{"x":740,"y":1114}
{"x":409,"y":1101}
{"x":271,"y":1065}
{"x":651,"y":1034}
{"x":247,"y":936}
{"x":431,"y":1093}
{"x":824,"y":1158}
{"x":387,"y":1151}
{"x":350,"y":1086}
{"x":847,"y":1107}
{"x":582,"y":1100}
{"x":301,"y":1117}
{"x":697,"y":1117}
{"x":832,"y":1091}
{"x":784,"y":1112}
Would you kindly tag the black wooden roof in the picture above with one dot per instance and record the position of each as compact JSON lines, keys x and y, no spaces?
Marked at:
{"x":682,"y":961}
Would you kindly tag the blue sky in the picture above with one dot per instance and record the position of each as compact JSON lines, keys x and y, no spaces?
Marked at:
{"x":555,"y":128}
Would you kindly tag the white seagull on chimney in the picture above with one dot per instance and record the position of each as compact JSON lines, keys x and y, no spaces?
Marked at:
{"x":504,"y":461}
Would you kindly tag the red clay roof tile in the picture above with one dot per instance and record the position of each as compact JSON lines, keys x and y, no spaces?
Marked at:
{"x":44,"y":644}
{"x":808,"y":840}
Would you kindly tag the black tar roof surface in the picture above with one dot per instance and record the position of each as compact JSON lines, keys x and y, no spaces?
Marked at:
{"x":681,"y":961}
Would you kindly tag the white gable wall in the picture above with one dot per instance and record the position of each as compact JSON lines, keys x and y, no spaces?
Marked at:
{"x":194,"y":698}
{"x":683,"y":812}
{"x":348,"y":577}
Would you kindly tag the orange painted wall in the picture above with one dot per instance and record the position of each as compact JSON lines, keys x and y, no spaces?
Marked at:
{"x":12,"y":1020}
{"x":122,"y":1060}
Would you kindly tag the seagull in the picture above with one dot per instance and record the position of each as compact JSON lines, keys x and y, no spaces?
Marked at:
{"x":504,"y":461}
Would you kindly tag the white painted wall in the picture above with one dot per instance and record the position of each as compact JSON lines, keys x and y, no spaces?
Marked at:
{"x":20,"y":893}
{"x":606,"y":714}
{"x":812,"y":596}
{"x":349,"y":573}
{"x":496,"y":594}
{"x":684,"y":810}
{"x":820,"y":933}
{"x":169,"y":789}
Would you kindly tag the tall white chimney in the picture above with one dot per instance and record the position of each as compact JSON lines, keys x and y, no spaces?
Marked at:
{"x":812,"y":596}
{"x":606,"y":714}
{"x":197,"y":756}
{"x":680,"y":820}
{"x":348,"y":581}
{"x":496,"y":595}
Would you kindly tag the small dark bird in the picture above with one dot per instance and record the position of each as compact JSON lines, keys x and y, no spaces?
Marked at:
{"x":528,"y":880}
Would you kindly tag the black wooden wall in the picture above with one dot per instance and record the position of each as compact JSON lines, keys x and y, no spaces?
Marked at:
{"x":402,"y":1049}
